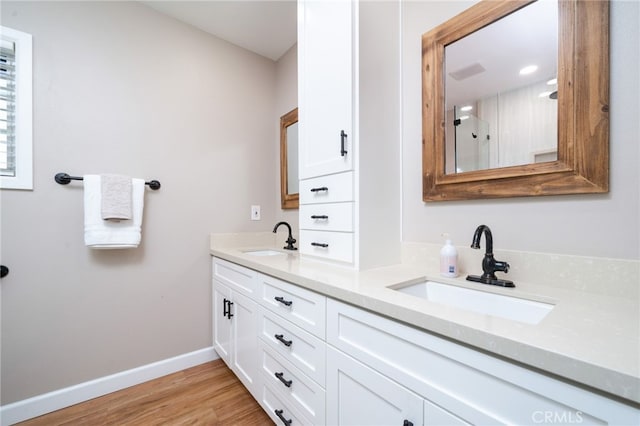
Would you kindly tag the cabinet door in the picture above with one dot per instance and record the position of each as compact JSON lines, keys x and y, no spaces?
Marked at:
{"x":325,"y":70}
{"x":358,"y":395}
{"x":221,"y":323}
{"x":245,"y":341}
{"x":438,"y":416}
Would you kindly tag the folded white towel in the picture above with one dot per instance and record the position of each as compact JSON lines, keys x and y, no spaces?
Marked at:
{"x":116,"y":198}
{"x":104,"y":234}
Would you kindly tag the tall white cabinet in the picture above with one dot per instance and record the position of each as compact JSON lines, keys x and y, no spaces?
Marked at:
{"x":349,"y":131}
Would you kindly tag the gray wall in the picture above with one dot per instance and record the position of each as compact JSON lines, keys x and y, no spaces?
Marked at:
{"x":119,"y":88}
{"x":603,"y":225}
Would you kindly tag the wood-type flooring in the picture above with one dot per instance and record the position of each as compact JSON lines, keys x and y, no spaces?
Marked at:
{"x":208,"y":394}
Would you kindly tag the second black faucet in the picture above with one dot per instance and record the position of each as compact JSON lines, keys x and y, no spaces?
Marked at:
{"x":290,"y":240}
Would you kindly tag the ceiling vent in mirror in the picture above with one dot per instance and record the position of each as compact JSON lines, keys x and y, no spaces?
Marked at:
{"x":466,"y":72}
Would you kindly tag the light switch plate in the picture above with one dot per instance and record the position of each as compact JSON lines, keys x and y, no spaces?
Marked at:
{"x":255,"y":212}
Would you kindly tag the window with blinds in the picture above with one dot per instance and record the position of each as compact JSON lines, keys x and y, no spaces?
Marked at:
{"x":16,"y":163}
{"x":7,"y":108}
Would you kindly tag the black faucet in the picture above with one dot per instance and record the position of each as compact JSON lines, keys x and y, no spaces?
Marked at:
{"x":290,"y":239}
{"x":489,"y":264}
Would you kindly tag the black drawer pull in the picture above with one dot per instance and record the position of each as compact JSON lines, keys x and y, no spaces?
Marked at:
{"x":319,"y":216}
{"x":226,"y":308}
{"x":343,"y":137}
{"x":280,"y":337}
{"x":323,"y":245}
{"x":284,"y":302}
{"x":322,"y":188}
{"x":287,"y":383}
{"x":407,"y":423}
{"x":281,"y":417}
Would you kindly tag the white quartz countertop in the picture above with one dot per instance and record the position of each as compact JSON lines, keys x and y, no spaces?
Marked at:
{"x":588,"y":338}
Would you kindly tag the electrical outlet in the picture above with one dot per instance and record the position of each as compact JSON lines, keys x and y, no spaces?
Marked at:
{"x":255,"y":212}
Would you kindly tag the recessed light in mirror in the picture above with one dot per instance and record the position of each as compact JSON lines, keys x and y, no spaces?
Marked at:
{"x":528,"y":69}
{"x":552,"y":82}
{"x":466,"y":108}
{"x":464,"y":117}
{"x":544,"y":94}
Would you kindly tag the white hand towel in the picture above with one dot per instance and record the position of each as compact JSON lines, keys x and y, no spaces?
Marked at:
{"x":116,"y":197}
{"x":104,"y":234}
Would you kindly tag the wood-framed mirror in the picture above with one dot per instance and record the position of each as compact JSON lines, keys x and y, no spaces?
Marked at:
{"x":289,"y":195}
{"x":581,"y":164}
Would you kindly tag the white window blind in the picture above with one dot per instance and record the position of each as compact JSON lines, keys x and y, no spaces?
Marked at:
{"x":7,"y":108}
{"x":16,"y":146}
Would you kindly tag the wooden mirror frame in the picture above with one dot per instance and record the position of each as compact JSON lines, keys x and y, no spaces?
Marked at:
{"x":287,"y":201}
{"x":583,"y":109}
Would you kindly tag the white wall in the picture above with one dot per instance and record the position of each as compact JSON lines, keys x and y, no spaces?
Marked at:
{"x":603,"y":225}
{"x":120,"y":88}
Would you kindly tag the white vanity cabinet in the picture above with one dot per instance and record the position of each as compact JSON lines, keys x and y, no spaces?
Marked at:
{"x":235,"y":320}
{"x":315,"y":360}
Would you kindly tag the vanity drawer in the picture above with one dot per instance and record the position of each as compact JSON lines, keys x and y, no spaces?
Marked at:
{"x":327,"y":244}
{"x":327,"y":189}
{"x":327,"y":217}
{"x":303,"y":307}
{"x":237,"y":278}
{"x":297,"y":346}
{"x":295,"y":387}
{"x":278,"y":409}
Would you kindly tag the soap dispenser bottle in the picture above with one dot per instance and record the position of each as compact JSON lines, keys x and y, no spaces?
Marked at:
{"x":448,"y":259}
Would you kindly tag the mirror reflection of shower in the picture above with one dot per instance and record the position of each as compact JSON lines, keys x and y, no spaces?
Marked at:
{"x":511,"y":128}
{"x":472,"y":140}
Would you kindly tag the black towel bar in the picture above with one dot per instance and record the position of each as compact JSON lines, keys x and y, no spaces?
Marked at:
{"x":63,"y":179}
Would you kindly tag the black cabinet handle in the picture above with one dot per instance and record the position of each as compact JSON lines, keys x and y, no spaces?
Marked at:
{"x":281,"y":417}
{"x":281,"y":338}
{"x":407,"y":423}
{"x":4,"y":271}
{"x":320,"y":189}
{"x":319,"y":216}
{"x":343,"y":137}
{"x":323,"y":245}
{"x":284,"y":302}
{"x":226,"y":311}
{"x":280,"y":377}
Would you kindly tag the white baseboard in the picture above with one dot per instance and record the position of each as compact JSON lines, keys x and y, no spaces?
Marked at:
{"x":61,"y":398}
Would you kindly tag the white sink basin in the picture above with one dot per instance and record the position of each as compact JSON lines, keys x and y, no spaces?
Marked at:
{"x":266,"y":252}
{"x":512,"y":308}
